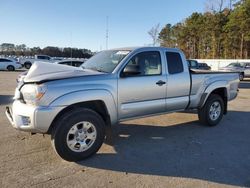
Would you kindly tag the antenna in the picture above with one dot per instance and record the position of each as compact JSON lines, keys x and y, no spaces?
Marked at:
{"x":107,"y":32}
{"x":71,"y":44}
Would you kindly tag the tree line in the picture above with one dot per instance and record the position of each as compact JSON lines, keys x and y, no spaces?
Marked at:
{"x":23,"y":50}
{"x":223,"y":33}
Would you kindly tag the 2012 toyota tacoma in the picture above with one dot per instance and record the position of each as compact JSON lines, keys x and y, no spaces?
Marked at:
{"x":75,"y":105}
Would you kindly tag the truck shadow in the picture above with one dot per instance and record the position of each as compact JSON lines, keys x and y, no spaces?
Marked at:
{"x":6,"y":99}
{"x":218,"y":154}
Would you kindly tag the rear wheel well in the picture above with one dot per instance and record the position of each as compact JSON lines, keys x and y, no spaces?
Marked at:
{"x":222,"y":92}
{"x":97,"y":106}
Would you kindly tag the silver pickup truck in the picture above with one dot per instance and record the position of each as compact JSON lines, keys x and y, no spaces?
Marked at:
{"x":76,"y":105}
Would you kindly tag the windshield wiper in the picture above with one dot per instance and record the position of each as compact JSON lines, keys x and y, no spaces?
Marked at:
{"x":100,"y":70}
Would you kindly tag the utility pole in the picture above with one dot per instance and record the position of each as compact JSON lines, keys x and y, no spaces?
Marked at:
{"x":107,"y":32}
{"x":71,"y":44}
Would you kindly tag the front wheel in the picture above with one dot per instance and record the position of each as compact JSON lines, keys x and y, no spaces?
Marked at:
{"x":78,"y":134}
{"x":212,"y":112}
{"x":27,"y":65}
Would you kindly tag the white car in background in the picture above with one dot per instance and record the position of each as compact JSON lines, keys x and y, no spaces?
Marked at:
{"x":9,"y":64}
{"x":27,"y":62}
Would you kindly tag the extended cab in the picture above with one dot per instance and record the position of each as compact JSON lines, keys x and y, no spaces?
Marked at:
{"x":76,"y":105}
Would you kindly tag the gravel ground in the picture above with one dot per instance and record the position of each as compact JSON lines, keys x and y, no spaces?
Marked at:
{"x":171,"y":150}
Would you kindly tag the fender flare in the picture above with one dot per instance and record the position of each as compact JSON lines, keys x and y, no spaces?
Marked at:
{"x":210,"y":88}
{"x":88,"y":95}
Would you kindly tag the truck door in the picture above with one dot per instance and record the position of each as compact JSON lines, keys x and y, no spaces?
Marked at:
{"x":142,"y":91}
{"x":178,"y":85}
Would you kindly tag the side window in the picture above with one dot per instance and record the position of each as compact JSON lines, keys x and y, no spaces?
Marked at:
{"x":5,"y":60}
{"x":174,"y":62}
{"x":193,"y":64}
{"x":146,"y":63}
{"x":40,"y":57}
{"x":76,"y":63}
{"x":66,"y":63}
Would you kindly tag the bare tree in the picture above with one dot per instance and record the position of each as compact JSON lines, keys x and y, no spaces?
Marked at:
{"x":154,"y":33}
{"x":218,"y":5}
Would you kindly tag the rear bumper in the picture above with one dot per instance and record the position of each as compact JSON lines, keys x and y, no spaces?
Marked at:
{"x":31,"y":118}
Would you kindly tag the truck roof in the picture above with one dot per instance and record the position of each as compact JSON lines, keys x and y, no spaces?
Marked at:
{"x":146,"y":48}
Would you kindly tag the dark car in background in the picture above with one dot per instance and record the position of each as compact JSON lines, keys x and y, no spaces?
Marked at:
{"x":203,"y":66}
{"x":71,"y":62}
{"x":192,"y":64}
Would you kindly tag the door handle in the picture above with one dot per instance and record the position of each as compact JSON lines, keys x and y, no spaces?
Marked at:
{"x":160,"y":83}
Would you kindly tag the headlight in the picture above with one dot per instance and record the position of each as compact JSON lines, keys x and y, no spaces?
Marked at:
{"x":33,"y":93}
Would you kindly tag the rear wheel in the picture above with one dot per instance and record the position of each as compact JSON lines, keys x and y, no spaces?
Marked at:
{"x":78,"y":134}
{"x":27,"y":65}
{"x":11,"y":68}
{"x":212,"y":112}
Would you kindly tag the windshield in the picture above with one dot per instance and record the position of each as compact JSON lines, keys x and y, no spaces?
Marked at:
{"x":105,"y":61}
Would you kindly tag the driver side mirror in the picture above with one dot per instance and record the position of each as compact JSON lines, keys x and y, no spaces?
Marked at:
{"x":131,"y":70}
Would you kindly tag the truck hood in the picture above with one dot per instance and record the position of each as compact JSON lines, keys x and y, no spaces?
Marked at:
{"x":41,"y":71}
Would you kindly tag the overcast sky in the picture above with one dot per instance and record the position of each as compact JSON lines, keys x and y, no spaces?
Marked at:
{"x":82,"y":23}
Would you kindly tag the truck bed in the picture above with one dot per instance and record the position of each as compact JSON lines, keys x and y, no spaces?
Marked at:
{"x":201,"y":79}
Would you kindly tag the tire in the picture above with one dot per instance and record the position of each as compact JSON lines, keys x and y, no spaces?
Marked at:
{"x":10,"y":68}
{"x":241,"y":76}
{"x":27,"y":65}
{"x":206,"y":114}
{"x":70,"y":134}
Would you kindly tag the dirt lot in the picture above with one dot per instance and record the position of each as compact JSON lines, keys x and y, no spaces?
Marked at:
{"x":171,"y":150}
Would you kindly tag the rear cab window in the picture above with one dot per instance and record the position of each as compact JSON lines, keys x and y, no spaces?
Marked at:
{"x":174,"y":62}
